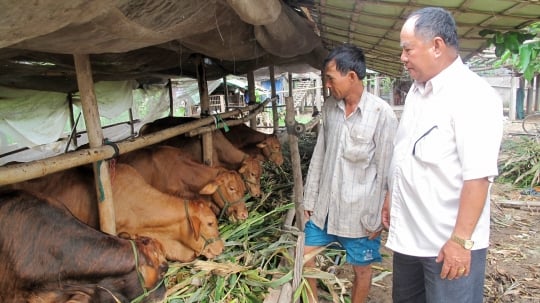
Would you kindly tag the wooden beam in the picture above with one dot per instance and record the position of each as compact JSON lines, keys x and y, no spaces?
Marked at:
{"x":226,"y":92}
{"x":275,"y":116}
{"x":205,"y":109}
{"x":171,"y":99}
{"x":254,"y":109}
{"x":252,"y":97}
{"x":95,"y":139}
{"x":14,"y":173}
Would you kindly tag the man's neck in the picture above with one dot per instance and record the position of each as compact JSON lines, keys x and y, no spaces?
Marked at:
{"x":352,"y":100}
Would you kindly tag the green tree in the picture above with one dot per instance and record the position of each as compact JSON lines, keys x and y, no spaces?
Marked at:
{"x":518,"y":48}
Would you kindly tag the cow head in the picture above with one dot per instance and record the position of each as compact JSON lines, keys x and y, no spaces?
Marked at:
{"x":229,"y":194}
{"x":251,"y":171}
{"x":204,"y":238}
{"x":271,"y":149}
{"x":151,"y":261}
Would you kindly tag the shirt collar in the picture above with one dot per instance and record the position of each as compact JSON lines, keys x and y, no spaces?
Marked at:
{"x":360,"y":107}
{"x":436,"y":83}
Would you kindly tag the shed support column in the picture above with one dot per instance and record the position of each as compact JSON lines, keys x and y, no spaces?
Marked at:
{"x":273,"y":95}
{"x":530,"y":100}
{"x":171,"y":99}
{"x":537,"y":94}
{"x":513,"y":100}
{"x":226,"y":92}
{"x":298,"y":189}
{"x":95,"y":139}
{"x":252,"y":96}
{"x":205,"y":110}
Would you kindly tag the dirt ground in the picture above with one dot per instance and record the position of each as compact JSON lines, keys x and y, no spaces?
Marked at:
{"x":513,"y":262}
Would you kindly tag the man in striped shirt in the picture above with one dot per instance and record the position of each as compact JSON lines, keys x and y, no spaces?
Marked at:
{"x":346,"y":182}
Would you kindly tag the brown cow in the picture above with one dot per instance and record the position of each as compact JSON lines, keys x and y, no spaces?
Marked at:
{"x":186,"y":228}
{"x":224,"y":153}
{"x":49,"y":256}
{"x":172,"y":171}
{"x":255,"y":143}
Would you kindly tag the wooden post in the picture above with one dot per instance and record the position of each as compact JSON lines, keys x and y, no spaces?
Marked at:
{"x":536,"y":98}
{"x":171,"y":99}
{"x":226,"y":92}
{"x":298,"y":189}
{"x":205,"y":109}
{"x":131,"y":126}
{"x":275,"y":116}
{"x":512,"y":107}
{"x":530,"y":101}
{"x":252,"y":97}
{"x":72,"y":120}
{"x":95,"y":139}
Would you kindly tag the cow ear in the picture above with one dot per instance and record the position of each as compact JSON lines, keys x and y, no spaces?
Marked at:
{"x":196,"y":226}
{"x":209,"y":189}
{"x":242,"y":169}
{"x":261,"y":145}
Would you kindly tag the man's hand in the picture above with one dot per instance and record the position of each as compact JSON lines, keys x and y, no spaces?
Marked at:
{"x":456,"y":261}
{"x":374,"y":234}
{"x":385,"y":212}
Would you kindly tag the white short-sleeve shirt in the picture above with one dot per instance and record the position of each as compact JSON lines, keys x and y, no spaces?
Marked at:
{"x":450,"y":131}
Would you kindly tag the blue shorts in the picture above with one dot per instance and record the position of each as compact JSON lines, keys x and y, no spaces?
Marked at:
{"x":360,"y":251}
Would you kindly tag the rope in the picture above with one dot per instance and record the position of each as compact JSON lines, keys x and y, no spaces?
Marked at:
{"x":100,"y":185}
{"x":114,"y":146}
{"x":218,"y":118}
{"x":227,"y":204}
{"x":139,"y":274}
{"x":206,"y":241}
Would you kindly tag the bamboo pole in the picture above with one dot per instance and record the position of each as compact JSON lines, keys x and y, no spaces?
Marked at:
{"x":205,"y":109}
{"x":95,"y":138}
{"x":14,"y":173}
{"x":171,"y":98}
{"x":252,"y":97}
{"x":72,"y":120}
{"x":226,"y":92}
{"x":297,"y":190}
{"x":254,"y":109}
{"x":275,"y":117}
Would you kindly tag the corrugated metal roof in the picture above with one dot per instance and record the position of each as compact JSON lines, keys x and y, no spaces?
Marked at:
{"x":375,"y":25}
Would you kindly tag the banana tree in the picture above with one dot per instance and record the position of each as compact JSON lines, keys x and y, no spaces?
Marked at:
{"x":519,"y":48}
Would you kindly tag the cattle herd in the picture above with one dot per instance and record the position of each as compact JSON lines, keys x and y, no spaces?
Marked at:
{"x":167,"y":208}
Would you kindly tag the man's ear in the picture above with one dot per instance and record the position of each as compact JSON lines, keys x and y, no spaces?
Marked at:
{"x":438,"y":46}
{"x":352,"y":75}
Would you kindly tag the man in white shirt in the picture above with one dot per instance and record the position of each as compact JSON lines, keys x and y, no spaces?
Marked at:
{"x":445,"y":158}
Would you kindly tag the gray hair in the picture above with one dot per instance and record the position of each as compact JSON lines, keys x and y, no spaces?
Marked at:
{"x":434,"y":22}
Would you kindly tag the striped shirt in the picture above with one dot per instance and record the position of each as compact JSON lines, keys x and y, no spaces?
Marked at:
{"x":347,"y":177}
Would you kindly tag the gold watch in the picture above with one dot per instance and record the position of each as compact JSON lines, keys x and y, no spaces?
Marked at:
{"x":466,"y":243}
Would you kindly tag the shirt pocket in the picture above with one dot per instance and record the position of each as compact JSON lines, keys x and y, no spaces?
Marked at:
{"x":357,"y":148}
{"x":434,"y":147}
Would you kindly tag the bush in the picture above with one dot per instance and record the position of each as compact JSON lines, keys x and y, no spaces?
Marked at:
{"x":519,"y":162}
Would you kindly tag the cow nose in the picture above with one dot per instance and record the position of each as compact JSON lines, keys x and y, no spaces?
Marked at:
{"x":163,"y":268}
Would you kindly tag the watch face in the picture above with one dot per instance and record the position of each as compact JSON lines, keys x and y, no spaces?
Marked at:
{"x":468,"y":244}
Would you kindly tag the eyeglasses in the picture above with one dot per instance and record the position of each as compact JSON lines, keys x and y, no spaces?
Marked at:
{"x":422,"y":136}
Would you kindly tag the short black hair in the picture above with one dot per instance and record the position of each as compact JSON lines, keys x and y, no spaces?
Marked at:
{"x":434,"y":22}
{"x":348,"y":57}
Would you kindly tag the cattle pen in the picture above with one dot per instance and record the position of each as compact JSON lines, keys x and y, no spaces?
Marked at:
{"x":255,"y":269}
